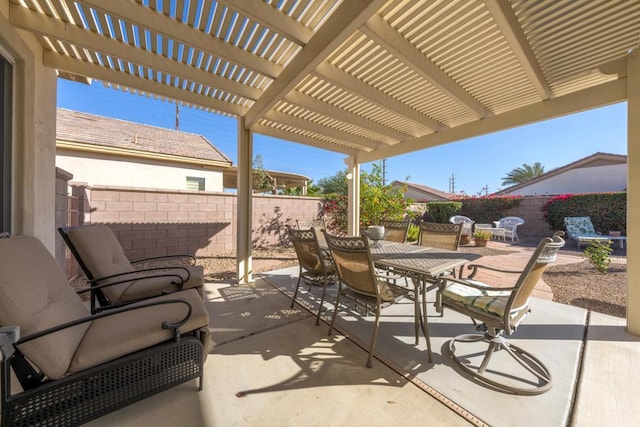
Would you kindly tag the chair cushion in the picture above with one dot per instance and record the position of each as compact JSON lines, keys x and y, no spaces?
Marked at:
{"x":114,"y":336}
{"x":493,"y":302}
{"x":35,"y":295}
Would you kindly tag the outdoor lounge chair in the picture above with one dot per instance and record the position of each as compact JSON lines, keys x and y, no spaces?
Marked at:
{"x":315,"y":268}
{"x":580,"y":229}
{"x":500,"y":310}
{"x":510,"y":226}
{"x":363,"y":286}
{"x":73,"y":366}
{"x":395,"y":231}
{"x":103,"y":261}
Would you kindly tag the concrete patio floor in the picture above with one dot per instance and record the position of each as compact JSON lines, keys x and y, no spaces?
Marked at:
{"x":271,"y":366}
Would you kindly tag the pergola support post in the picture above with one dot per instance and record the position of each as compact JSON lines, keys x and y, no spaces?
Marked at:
{"x":633,"y":192}
{"x":353,"y":196}
{"x":244,"y":204}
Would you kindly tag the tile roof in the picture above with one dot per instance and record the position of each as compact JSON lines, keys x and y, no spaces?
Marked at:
{"x":425,"y":189}
{"x":90,"y":129}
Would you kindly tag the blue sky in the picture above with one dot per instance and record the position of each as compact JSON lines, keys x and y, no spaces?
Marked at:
{"x":477,"y":163}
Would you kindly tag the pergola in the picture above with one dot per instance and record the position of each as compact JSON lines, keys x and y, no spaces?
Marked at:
{"x":367,"y":78}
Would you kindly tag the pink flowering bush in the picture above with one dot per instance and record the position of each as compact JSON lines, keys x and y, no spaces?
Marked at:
{"x":608,"y":211}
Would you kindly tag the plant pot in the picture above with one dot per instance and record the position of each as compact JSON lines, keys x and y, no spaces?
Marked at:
{"x":481,"y":242}
{"x":465,"y":239}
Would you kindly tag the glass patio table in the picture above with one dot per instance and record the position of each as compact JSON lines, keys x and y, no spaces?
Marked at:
{"x":423,"y":265}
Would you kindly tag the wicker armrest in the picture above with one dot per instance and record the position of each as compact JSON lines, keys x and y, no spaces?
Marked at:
{"x":165,"y":325}
{"x":158,"y":258}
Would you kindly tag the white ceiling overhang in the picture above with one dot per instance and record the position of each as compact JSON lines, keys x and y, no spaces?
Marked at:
{"x":367,"y":78}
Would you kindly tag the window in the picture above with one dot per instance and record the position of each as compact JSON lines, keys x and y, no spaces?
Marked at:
{"x":194,"y":183}
{"x":6,"y":72}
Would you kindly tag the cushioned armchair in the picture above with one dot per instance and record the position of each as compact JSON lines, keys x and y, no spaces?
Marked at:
{"x":499,"y":311}
{"x":74,"y":366}
{"x":114,"y":279}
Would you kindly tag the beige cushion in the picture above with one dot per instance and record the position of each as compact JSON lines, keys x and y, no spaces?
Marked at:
{"x":35,"y":295}
{"x":114,"y":336}
{"x":103,"y":256}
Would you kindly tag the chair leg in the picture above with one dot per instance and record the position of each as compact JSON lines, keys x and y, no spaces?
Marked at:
{"x":324,"y":290}
{"x":295,"y":293}
{"x":335,"y":310}
{"x":374,"y":339}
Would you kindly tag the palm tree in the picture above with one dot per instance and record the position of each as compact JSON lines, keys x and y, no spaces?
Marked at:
{"x":523,"y":173}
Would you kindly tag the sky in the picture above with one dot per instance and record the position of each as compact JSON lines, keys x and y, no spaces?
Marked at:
{"x":477,"y":165}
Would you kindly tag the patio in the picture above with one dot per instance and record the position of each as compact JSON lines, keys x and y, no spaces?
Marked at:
{"x":270,"y":365}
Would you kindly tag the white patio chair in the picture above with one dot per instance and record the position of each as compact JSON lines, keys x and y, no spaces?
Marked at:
{"x":467,"y":223}
{"x":510,"y":225}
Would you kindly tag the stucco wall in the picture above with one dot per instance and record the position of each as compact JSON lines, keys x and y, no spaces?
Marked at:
{"x":96,"y":169}
{"x":596,"y":179}
{"x":34,"y":121}
{"x":155,"y":222}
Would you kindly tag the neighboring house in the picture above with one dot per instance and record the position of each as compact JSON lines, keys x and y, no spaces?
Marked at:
{"x":422,"y":193}
{"x":598,"y":173}
{"x":99,"y":150}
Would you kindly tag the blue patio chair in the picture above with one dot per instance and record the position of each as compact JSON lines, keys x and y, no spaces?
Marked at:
{"x":580,"y":229}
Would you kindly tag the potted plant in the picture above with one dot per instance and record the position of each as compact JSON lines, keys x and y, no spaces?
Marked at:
{"x":482,"y":237}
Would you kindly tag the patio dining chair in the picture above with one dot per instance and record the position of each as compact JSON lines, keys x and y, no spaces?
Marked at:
{"x":315,"y":268}
{"x":73,"y":366}
{"x":115,"y":279}
{"x":510,"y":226}
{"x":500,"y":311}
{"x":395,"y":231}
{"x":437,"y":235}
{"x":356,"y":271}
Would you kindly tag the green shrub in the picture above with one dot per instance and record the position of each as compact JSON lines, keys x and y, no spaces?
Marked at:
{"x":482,"y":234}
{"x":442,"y":211}
{"x":413,"y":233}
{"x":599,"y":254}
{"x":608,"y":211}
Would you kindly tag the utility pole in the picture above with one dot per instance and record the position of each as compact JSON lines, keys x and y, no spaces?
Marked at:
{"x":485,"y":189}
{"x":177,"y":116}
{"x":452,"y":184}
{"x":384,"y":171}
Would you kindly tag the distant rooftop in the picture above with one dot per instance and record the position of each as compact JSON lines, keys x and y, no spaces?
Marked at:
{"x":91,"y":129}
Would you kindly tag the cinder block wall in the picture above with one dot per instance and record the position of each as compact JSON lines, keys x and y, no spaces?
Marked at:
{"x":529,"y":210}
{"x":164,"y":222}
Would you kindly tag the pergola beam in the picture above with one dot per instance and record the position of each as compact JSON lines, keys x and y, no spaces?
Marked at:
{"x":310,"y":103}
{"x":310,"y":126}
{"x":77,"y":66}
{"x":270,"y":17}
{"x":144,"y":17}
{"x":50,"y":27}
{"x":599,"y":96}
{"x":301,"y":139}
{"x":507,"y":22}
{"x":386,"y":36}
{"x":352,"y":84}
{"x":348,"y":17}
